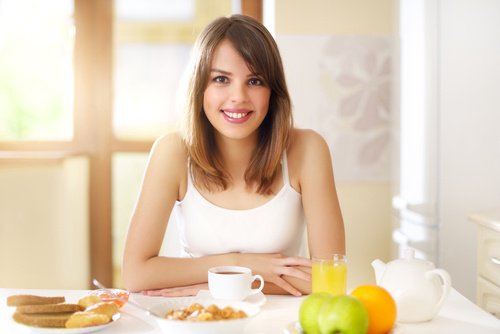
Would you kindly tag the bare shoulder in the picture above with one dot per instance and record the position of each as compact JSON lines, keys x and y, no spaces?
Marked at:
{"x":307,"y":143}
{"x":307,"y":154}
{"x":169,"y":148}
{"x":169,"y":155}
{"x":170,"y":143}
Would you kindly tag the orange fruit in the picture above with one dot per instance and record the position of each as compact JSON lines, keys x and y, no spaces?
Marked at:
{"x":380,"y":305}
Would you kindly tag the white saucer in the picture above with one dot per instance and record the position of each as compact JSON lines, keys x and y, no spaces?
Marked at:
{"x":258,"y":299}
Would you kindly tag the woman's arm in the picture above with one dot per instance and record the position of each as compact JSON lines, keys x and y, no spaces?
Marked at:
{"x":325,"y":226}
{"x":143,"y":268}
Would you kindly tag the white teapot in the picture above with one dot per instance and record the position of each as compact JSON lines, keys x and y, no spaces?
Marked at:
{"x":418,"y":289}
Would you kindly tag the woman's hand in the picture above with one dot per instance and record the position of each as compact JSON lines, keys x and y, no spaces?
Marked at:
{"x":274,"y":267}
{"x":181,"y":291}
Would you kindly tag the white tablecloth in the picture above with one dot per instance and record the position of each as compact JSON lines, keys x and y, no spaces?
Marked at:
{"x":458,"y":315}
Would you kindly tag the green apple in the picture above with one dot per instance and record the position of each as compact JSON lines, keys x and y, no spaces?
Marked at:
{"x":343,"y":314}
{"x":309,"y":311}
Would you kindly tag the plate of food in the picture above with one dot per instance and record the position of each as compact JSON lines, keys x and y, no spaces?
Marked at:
{"x":41,"y":314}
{"x":81,"y":330}
{"x":204,"y":316}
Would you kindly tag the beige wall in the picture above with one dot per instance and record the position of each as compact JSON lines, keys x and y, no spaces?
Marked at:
{"x":341,"y":17}
{"x":365,"y":205}
{"x":44,"y":224}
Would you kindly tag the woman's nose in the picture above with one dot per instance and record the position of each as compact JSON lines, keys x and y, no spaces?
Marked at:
{"x":238,"y":92}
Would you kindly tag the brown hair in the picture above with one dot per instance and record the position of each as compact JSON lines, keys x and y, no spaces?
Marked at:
{"x":259,"y":50}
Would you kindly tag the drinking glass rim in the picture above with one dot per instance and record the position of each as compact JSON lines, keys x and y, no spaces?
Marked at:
{"x":334,"y":257}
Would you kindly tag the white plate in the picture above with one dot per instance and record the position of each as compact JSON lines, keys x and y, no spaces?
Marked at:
{"x":257,"y":299}
{"x":44,"y":330}
{"x":204,"y":327}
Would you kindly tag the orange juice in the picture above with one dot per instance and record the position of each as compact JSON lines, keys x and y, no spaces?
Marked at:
{"x":329,"y":275}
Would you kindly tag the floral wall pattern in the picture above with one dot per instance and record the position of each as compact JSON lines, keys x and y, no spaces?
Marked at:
{"x":341,"y":87}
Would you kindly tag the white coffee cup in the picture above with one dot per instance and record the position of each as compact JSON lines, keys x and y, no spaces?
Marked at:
{"x":232,"y":282}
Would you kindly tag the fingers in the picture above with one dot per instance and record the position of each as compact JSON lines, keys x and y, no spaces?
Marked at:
{"x":293,"y":272}
{"x":287,"y":287}
{"x":296,"y":261}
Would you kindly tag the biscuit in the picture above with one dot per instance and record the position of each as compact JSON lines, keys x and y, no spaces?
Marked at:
{"x":49,"y":308}
{"x":18,"y":300}
{"x":54,"y":320}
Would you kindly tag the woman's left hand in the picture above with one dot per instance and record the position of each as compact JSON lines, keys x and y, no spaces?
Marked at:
{"x":181,"y":291}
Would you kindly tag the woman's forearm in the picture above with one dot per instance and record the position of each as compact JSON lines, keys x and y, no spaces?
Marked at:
{"x":163,"y":272}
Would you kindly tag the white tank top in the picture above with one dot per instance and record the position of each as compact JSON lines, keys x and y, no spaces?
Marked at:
{"x":277,"y":226}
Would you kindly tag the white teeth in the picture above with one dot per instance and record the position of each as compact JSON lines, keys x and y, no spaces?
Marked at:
{"x":235,"y":115}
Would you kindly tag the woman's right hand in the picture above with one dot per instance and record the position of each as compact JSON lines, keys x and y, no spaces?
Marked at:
{"x":277,"y":268}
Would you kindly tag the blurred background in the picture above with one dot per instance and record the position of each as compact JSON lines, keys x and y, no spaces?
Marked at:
{"x":403,"y":91}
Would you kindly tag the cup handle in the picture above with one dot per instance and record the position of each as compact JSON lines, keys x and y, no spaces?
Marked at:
{"x":259,"y":289}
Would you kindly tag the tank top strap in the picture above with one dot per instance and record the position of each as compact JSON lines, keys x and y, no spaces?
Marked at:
{"x":284,"y":169}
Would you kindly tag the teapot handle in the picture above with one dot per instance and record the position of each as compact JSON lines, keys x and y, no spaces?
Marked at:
{"x":445,"y":277}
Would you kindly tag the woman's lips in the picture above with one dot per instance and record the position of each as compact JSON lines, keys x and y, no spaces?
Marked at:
{"x":236,"y":115}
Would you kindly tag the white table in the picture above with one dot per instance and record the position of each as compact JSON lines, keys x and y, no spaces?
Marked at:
{"x":458,"y":315}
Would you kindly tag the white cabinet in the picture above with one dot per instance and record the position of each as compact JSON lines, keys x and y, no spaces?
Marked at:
{"x":488,"y":260}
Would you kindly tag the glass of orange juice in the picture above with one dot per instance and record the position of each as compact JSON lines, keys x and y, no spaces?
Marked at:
{"x":329,"y":274}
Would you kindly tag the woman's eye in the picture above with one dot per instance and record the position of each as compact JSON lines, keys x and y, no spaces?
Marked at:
{"x":220,"y":79}
{"x":255,"y":82}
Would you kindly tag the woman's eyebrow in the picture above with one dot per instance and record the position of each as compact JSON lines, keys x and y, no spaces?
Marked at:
{"x":220,"y":71}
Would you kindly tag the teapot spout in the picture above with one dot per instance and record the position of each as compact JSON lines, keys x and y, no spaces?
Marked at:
{"x":379,"y":268}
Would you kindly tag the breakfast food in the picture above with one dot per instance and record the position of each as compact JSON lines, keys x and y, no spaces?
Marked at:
{"x":18,"y":300}
{"x":49,"y":308}
{"x":107,"y":308}
{"x":89,"y":300}
{"x":86,"y":319}
{"x":52,"y":320}
{"x":41,"y":311}
{"x":53,"y":312}
{"x":196,"y":312}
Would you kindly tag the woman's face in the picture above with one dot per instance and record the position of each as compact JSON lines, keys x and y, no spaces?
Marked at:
{"x":236,"y":101}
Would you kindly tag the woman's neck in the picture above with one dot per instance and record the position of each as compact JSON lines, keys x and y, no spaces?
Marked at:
{"x":236,"y":154}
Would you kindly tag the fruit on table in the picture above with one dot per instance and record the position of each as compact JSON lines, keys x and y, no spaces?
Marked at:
{"x":342,"y":314}
{"x":309,"y":311}
{"x":380,"y":305}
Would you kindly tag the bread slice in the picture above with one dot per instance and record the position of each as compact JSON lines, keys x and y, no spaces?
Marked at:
{"x":52,"y":320}
{"x":49,"y":308}
{"x":19,"y":300}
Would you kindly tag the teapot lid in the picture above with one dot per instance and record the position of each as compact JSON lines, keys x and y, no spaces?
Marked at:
{"x":409,"y":253}
{"x":409,"y":259}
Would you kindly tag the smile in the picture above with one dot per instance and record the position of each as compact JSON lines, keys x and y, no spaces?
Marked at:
{"x":235,"y":115}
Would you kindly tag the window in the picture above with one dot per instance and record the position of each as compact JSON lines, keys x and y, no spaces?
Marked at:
{"x":96,"y":78}
{"x":36,"y":70}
